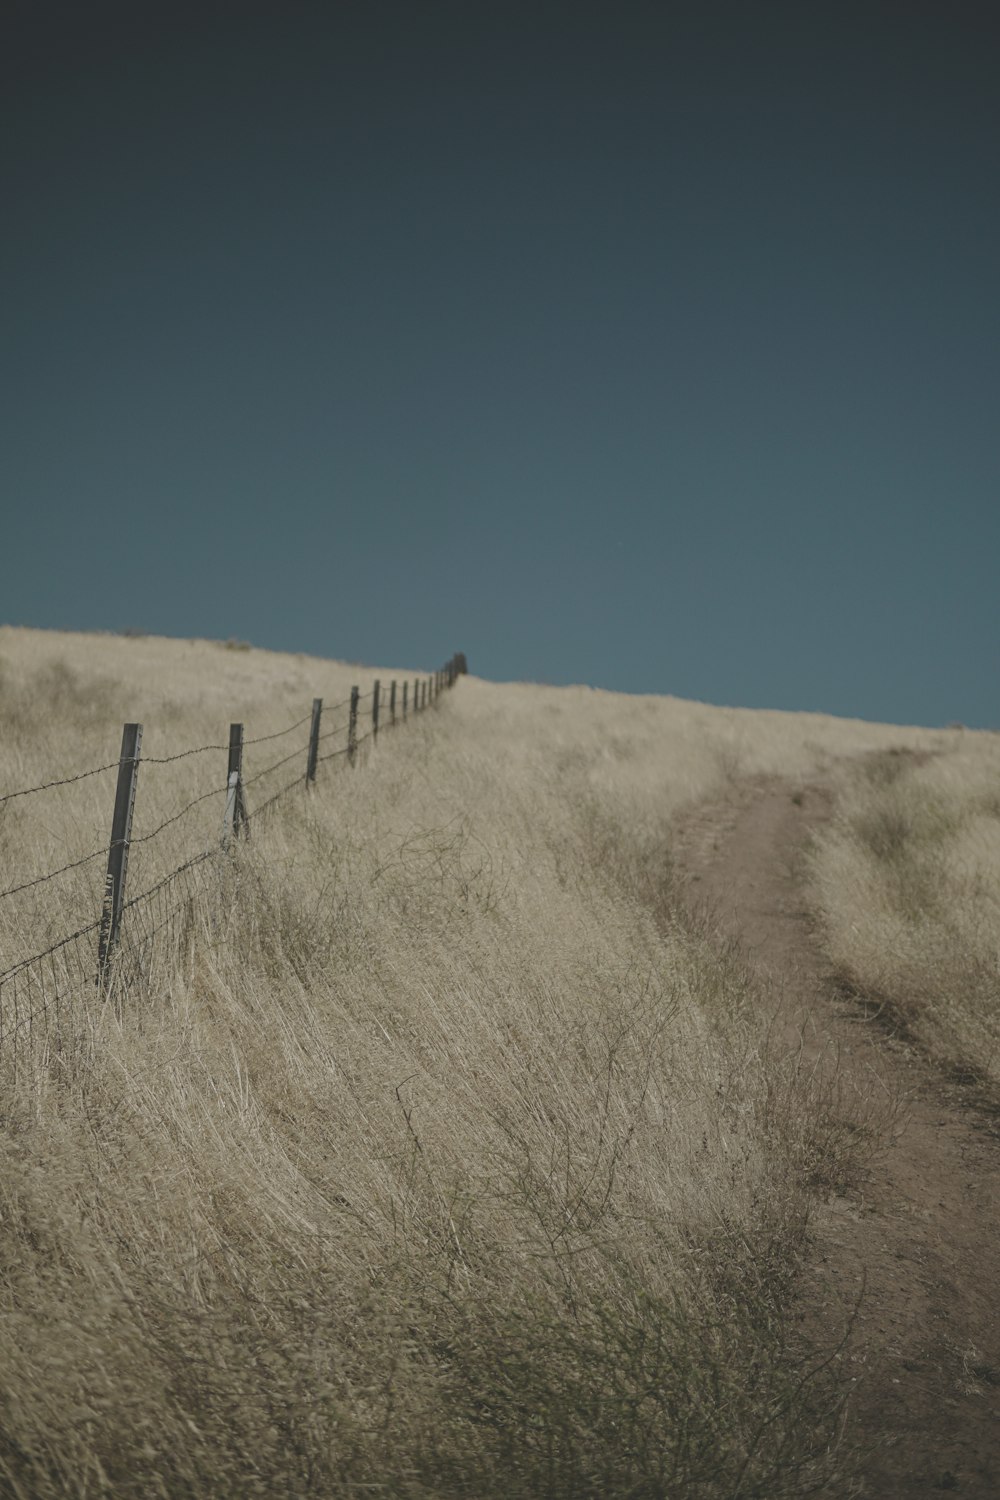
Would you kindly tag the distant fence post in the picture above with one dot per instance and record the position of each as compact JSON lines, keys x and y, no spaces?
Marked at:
{"x":376,"y":694}
{"x":121,"y":833}
{"x":236,"y":820}
{"x":416,"y":695}
{"x":314,"y":740}
{"x":352,"y":726}
{"x":392,"y":701}
{"x":405,"y":685}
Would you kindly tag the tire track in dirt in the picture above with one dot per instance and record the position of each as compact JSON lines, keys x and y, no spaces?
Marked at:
{"x":918,"y":1238}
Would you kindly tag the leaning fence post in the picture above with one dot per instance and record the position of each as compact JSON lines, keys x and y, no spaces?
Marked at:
{"x":235,"y":820}
{"x":121,"y":832}
{"x":313,"y":740}
{"x":392,"y":701}
{"x":352,"y":727}
{"x":376,"y":694}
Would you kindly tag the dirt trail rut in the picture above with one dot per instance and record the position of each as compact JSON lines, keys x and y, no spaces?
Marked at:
{"x":919,"y":1239}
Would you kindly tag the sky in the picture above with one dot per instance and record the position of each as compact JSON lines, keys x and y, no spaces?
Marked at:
{"x":647,"y":345}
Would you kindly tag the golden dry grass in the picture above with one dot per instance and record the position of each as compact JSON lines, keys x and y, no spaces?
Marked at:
{"x":907,"y":880}
{"x":443,"y":1157}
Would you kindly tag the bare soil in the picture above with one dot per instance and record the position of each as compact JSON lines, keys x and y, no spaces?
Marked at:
{"x":907,"y":1255}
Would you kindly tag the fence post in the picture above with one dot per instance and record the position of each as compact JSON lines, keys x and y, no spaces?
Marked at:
{"x":392,"y":701}
{"x":121,"y":832}
{"x":416,"y":695}
{"x":376,"y":694}
{"x":405,"y":685}
{"x":313,"y":741}
{"x":352,"y":727}
{"x":236,"y":820}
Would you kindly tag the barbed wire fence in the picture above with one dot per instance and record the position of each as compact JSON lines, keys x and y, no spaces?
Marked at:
{"x":46,"y":995}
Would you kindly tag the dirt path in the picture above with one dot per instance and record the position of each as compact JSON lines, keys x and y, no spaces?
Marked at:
{"x":919,"y":1239}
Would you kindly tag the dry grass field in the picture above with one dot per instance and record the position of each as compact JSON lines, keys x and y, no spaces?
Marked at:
{"x":442,"y":1155}
{"x":907,"y":880}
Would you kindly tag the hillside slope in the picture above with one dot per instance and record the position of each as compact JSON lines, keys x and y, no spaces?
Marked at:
{"x":445,"y":1153}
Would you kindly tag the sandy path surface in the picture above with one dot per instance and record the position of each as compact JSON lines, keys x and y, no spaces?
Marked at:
{"x":918,"y":1239}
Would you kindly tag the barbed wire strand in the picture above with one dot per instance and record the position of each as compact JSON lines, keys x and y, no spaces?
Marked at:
{"x":260,"y":738}
{"x":249,"y":780}
{"x":215,"y":791}
{"x":22,"y":963}
{"x":265,"y":806}
{"x":46,"y":786}
{"x":336,"y":729}
{"x":332,"y":754}
{"x":75,"y":864}
{"x":188,"y":864}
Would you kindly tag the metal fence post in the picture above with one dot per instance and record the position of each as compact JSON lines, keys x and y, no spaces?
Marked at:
{"x":376,"y":694}
{"x":352,"y":727}
{"x":405,"y":685}
{"x":121,"y":833}
{"x":235,"y":820}
{"x":313,"y":740}
{"x":392,"y":701}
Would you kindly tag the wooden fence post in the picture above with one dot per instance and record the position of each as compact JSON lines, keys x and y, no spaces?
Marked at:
{"x":392,"y":702}
{"x":376,"y":694}
{"x":236,"y":819}
{"x":352,"y":727}
{"x":121,"y":833}
{"x":313,"y":741}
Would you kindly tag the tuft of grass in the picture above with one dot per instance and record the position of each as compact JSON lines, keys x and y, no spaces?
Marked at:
{"x":907,"y":880}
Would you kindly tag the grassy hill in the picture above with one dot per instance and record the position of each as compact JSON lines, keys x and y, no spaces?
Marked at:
{"x":443,"y":1152}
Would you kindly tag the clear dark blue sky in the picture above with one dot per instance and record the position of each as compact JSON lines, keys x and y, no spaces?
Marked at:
{"x":650,"y":345}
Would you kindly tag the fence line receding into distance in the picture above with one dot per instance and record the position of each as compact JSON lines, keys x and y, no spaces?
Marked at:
{"x":116,"y":948}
